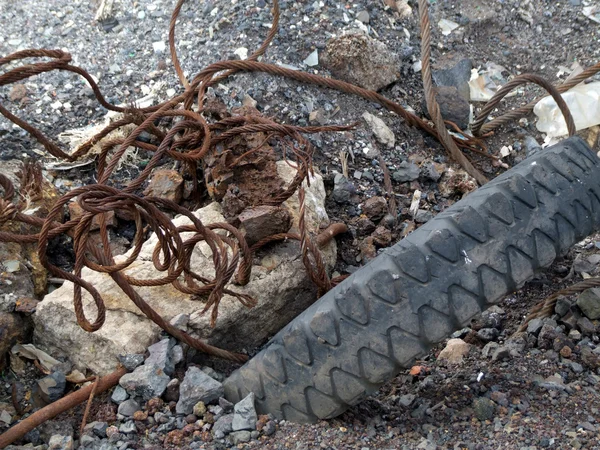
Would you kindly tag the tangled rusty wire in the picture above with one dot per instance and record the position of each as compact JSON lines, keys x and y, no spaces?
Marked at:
{"x":190,"y":140}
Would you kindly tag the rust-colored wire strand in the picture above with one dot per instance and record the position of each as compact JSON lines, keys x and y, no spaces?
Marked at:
{"x":516,"y":114}
{"x":476,"y":127}
{"x":88,"y":406}
{"x":191,"y":136}
{"x":19,"y":430}
{"x":546,"y":307}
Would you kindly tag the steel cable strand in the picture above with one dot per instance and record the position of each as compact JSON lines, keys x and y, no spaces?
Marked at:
{"x":518,"y":81}
{"x":29,"y":70}
{"x":8,"y":210}
{"x":84,"y":148}
{"x":254,"y":56}
{"x":138,"y":240}
{"x":224,"y":268}
{"x":50,"y":146}
{"x":322,"y":239}
{"x":118,"y":277}
{"x":244,"y":268}
{"x":317,"y":273}
{"x":60,"y":59}
{"x":80,"y":226}
{"x":105,"y":170}
{"x":219,"y":254}
{"x":158,"y":319}
{"x":80,"y":245}
{"x":432,"y":104}
{"x":546,"y":307}
{"x":524,"y":110}
{"x":132,"y":138}
{"x":169,"y":245}
{"x":244,"y":299}
{"x":231,"y":267}
{"x":199,"y":85}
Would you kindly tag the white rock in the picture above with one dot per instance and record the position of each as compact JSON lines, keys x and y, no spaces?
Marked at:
{"x":447,"y":26}
{"x":455,"y":351}
{"x":159,"y":47}
{"x":312,"y":59}
{"x":279,"y":283}
{"x":380,"y":129}
{"x":403,"y":8}
{"x":242,"y":52}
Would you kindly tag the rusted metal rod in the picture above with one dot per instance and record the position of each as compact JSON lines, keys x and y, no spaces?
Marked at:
{"x":54,"y":409}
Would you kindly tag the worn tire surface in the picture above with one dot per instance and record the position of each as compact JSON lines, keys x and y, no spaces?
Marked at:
{"x":374,"y":324}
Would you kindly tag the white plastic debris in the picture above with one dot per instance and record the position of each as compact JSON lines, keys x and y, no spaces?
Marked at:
{"x":484,"y":83}
{"x":312,"y":59}
{"x":592,"y":12}
{"x":447,"y":26}
{"x":505,"y":151}
{"x":583,"y":102}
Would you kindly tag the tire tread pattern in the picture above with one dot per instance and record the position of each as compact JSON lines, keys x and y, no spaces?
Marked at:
{"x":377,"y":322}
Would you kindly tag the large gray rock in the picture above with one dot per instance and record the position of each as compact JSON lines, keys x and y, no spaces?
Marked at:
{"x":361,"y":60}
{"x":457,"y":75}
{"x":119,"y":395}
{"x":279,"y":283}
{"x":52,"y":387}
{"x":197,"y":387}
{"x":223,"y":426}
{"x":145,"y":381}
{"x":589,"y":302}
{"x":407,"y":171}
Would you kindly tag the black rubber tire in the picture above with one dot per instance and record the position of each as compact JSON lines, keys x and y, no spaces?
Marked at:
{"x":374,"y":324}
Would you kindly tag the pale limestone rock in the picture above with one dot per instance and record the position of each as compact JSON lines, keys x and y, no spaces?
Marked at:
{"x":381,"y":131}
{"x":279,"y":283}
{"x":455,"y":351}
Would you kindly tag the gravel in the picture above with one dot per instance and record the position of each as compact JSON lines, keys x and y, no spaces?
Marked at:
{"x":547,"y":397}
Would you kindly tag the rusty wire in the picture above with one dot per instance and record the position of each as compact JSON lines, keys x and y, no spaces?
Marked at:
{"x":546,"y":307}
{"x":518,"y":81}
{"x":52,"y":410}
{"x":189,"y":140}
{"x":432,"y":105}
{"x":88,"y":406}
{"x":524,"y":110}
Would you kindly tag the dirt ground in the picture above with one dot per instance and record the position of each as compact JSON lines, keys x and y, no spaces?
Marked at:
{"x":439,"y":406}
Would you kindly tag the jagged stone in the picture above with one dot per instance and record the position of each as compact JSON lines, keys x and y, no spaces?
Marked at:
{"x":127,"y":330}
